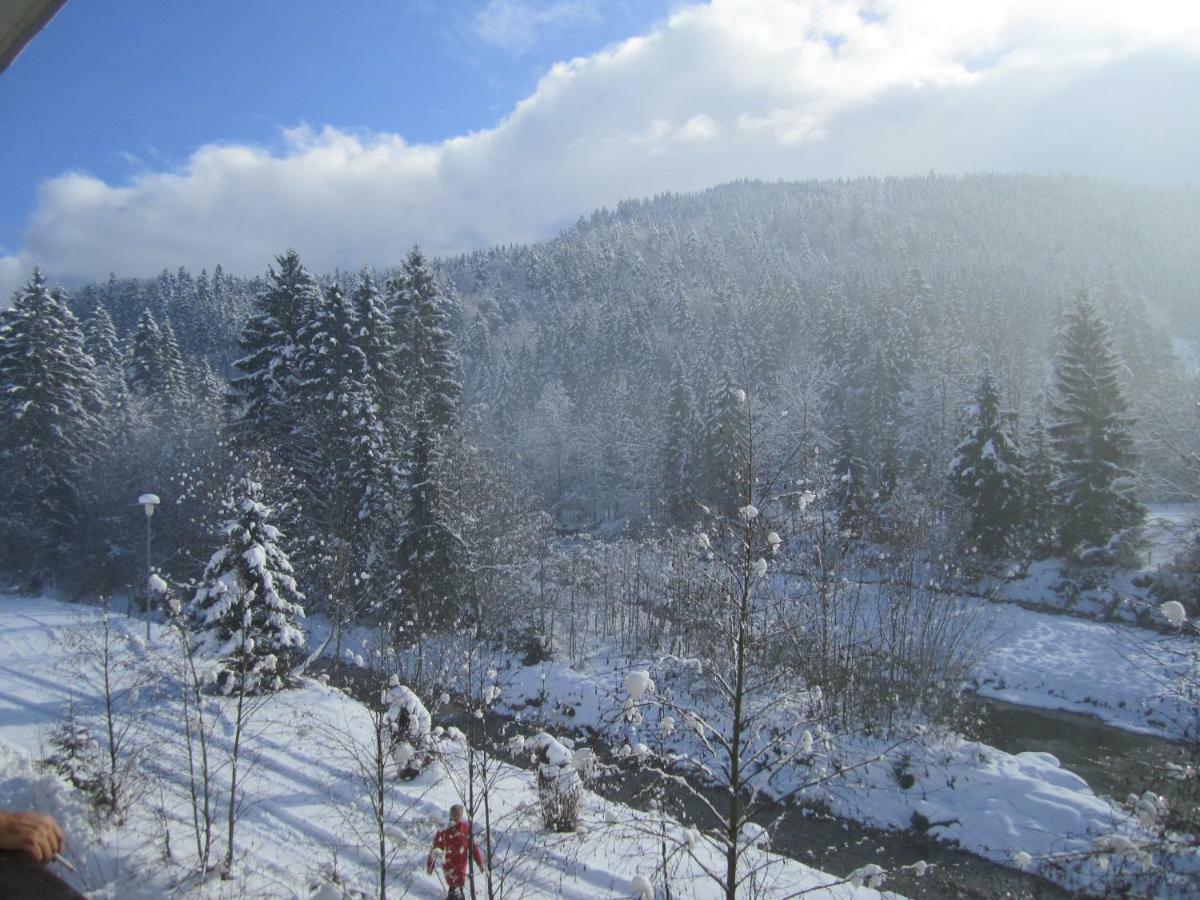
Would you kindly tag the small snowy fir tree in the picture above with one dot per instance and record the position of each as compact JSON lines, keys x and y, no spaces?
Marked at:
{"x":986,"y":473}
{"x":247,"y":606}
{"x":1091,"y":434}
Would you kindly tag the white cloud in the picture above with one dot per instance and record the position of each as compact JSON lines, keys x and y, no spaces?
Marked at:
{"x":732,"y":89}
{"x":517,"y":26}
{"x":699,"y":129}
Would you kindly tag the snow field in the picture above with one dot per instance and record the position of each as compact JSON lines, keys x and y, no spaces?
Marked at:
{"x":305,"y":812}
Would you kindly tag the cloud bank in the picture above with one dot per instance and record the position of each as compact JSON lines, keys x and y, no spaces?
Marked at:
{"x":730,"y":89}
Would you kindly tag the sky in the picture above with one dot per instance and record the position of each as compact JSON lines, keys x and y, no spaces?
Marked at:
{"x":143,"y":135}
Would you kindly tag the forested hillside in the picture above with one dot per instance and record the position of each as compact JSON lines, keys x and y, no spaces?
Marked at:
{"x":872,"y":303}
{"x":859,"y":316}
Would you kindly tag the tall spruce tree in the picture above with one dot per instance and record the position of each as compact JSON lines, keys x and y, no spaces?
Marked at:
{"x":50,"y":429}
{"x":375,"y":337}
{"x":423,"y":316}
{"x":679,"y":448}
{"x":341,"y":393}
{"x":1091,"y":433}
{"x":101,"y":344}
{"x":986,"y":473}
{"x":1038,"y":515}
{"x":725,"y":429}
{"x":176,"y":389}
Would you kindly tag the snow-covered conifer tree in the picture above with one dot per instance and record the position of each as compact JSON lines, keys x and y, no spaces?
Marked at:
{"x":423,"y":314}
{"x":245,"y":613}
{"x":428,"y":550}
{"x":375,"y":338}
{"x":986,"y":472}
{"x":1091,"y":434}
{"x":679,"y":449}
{"x":265,"y":395}
{"x":887,"y":375}
{"x":724,"y":429}
{"x":175,"y":377}
{"x":50,"y":428}
{"x":100,"y":339}
{"x":247,"y":607}
{"x":352,"y":460}
{"x":849,"y":480}
{"x":1037,"y":517}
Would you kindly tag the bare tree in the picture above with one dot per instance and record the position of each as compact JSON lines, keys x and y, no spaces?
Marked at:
{"x":110,"y":663}
{"x":758,"y":708}
{"x":398,"y":734}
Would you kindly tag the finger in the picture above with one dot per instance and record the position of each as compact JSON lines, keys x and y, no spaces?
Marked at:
{"x":59,"y":841}
{"x":49,"y":844}
{"x":33,"y":845}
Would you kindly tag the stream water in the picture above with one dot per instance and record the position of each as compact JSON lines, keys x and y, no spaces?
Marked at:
{"x":1114,"y":762}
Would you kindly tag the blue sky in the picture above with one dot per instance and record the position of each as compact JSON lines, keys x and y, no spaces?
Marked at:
{"x":146,"y":135}
{"x":112,"y":88}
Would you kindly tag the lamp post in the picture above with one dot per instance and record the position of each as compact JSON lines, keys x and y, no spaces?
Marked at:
{"x":149,"y":502}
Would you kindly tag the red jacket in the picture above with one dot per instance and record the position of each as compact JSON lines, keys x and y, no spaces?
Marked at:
{"x":455,"y":843}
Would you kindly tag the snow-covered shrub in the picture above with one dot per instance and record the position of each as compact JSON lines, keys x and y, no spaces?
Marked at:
{"x":76,"y":757}
{"x":409,"y":727}
{"x":559,"y":784}
{"x":637,"y":683}
{"x":871,"y":875}
{"x":1179,"y":580}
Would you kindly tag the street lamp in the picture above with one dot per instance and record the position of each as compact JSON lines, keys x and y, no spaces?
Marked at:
{"x":149,"y":502}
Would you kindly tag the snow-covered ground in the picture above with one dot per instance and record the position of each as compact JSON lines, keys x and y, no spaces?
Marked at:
{"x":1122,"y":674}
{"x":1189,"y":354}
{"x":305,"y":814}
{"x":990,"y":802}
{"x":1102,"y":592}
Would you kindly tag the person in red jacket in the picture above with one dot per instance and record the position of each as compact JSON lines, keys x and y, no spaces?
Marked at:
{"x":456,"y":847}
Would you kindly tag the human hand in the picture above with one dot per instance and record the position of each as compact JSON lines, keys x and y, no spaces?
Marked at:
{"x":33,"y":833}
